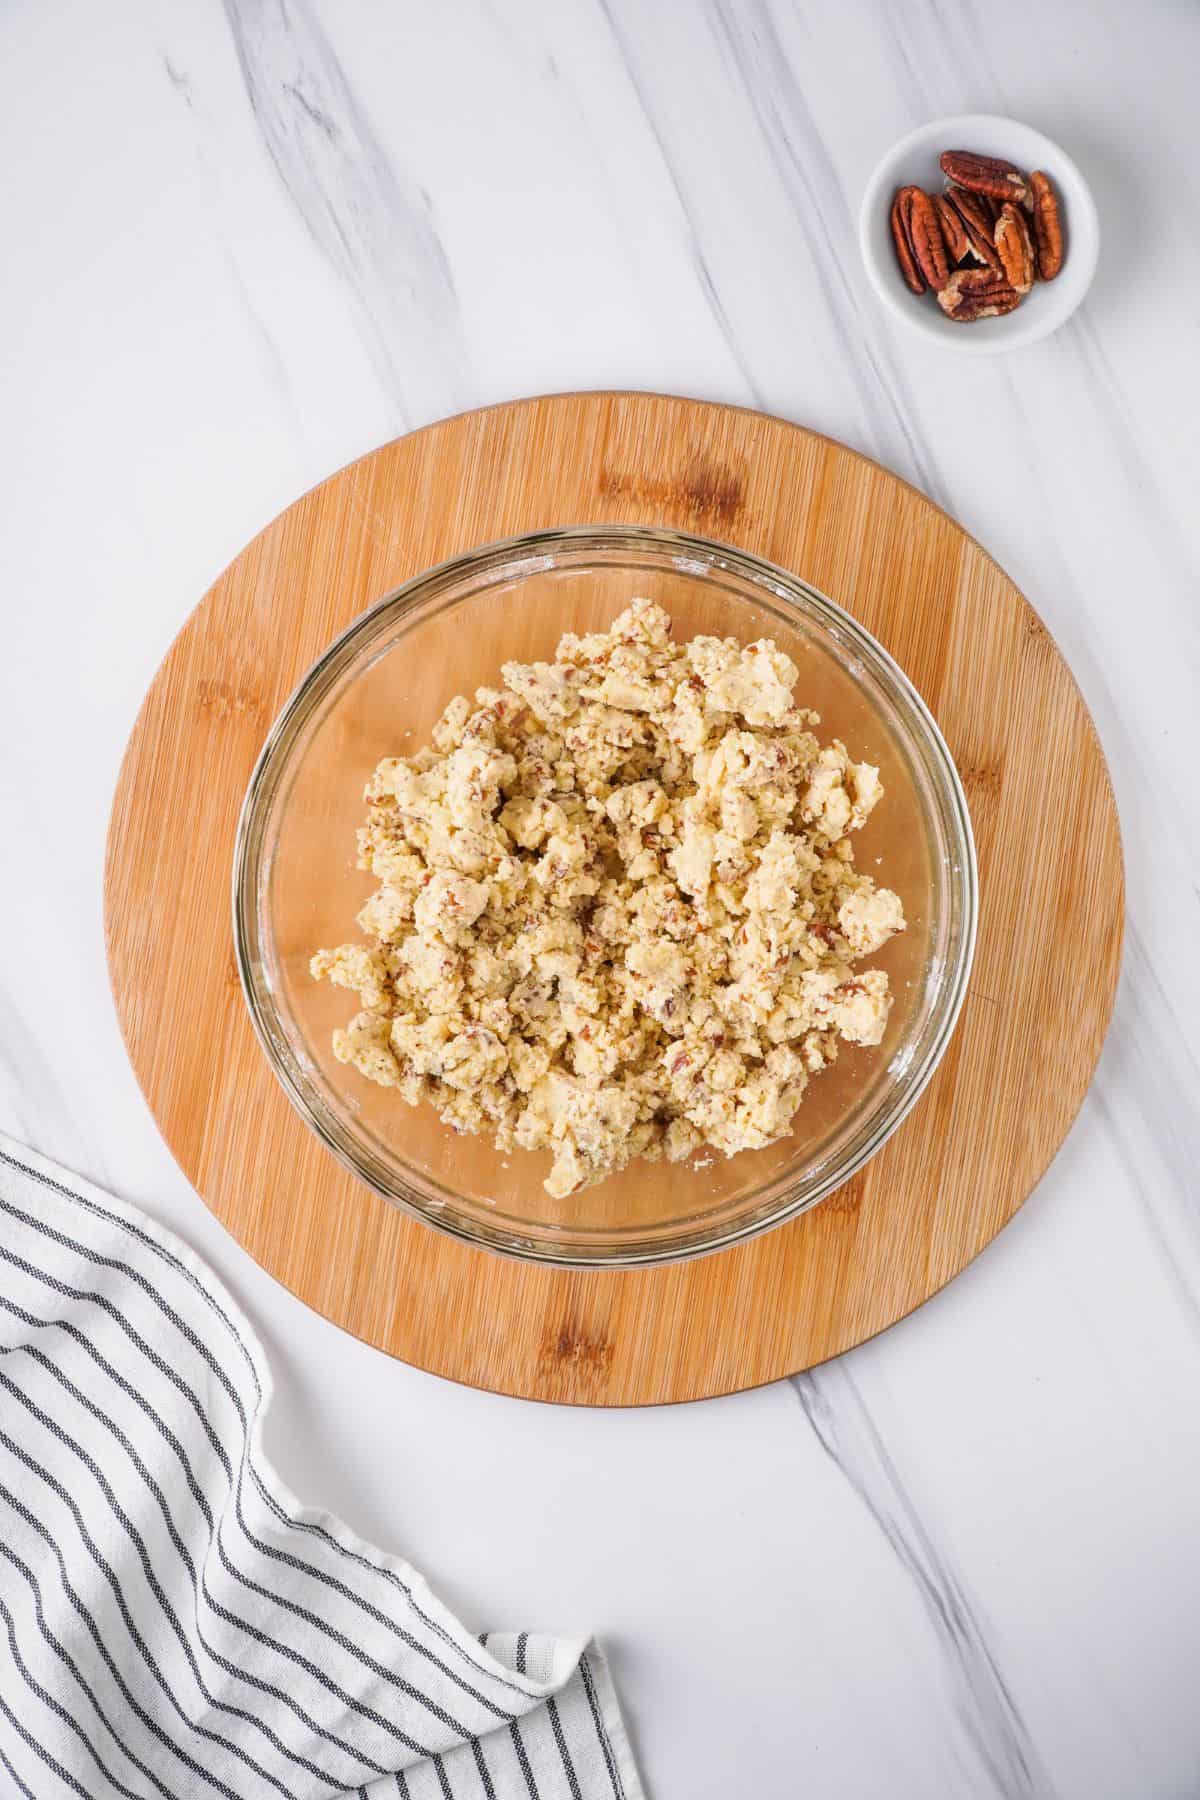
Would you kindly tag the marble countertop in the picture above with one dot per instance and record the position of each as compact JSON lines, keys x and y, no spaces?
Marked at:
{"x":248,"y":242}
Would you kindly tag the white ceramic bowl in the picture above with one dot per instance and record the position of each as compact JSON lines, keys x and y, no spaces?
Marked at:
{"x":915,"y":159}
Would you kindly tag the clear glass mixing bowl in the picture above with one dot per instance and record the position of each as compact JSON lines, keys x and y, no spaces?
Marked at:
{"x":377,"y":692}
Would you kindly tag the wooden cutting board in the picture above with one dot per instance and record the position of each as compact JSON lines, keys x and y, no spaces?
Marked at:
{"x":1050,"y":864}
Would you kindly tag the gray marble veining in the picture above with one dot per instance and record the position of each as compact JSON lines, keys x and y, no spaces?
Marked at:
{"x":690,"y":214}
{"x":998,"y":1755}
{"x":373,"y":225}
{"x":758,"y":62}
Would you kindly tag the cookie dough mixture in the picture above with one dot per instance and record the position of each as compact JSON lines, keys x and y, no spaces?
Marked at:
{"x":618,"y":912}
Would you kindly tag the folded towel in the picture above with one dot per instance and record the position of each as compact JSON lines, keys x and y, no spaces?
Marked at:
{"x":173,"y":1621}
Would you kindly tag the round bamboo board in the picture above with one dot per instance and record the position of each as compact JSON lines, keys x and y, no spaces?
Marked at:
{"x":1050,"y":867}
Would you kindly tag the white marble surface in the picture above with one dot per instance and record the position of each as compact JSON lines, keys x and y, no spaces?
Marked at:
{"x":246,"y":243}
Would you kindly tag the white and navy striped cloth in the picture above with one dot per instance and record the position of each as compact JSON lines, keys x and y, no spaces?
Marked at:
{"x":173,"y":1622}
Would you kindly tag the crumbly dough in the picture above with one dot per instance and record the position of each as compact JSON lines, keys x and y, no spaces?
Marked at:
{"x":618,"y":913}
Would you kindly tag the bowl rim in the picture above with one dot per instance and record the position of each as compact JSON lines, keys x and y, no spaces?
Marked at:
{"x":532,"y":548}
{"x":1012,"y":331}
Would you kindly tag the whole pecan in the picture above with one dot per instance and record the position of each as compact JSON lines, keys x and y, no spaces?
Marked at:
{"x":925,"y":235}
{"x":986,"y":175}
{"x":976,"y":218}
{"x":1014,"y":246}
{"x":958,"y":245}
{"x":977,"y":294}
{"x":1047,"y":226}
{"x":901,"y":211}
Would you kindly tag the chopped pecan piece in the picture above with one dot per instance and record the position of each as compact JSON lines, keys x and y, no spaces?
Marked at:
{"x":977,"y":224}
{"x":986,"y":175}
{"x":901,"y":212}
{"x":977,"y":294}
{"x":958,"y":246}
{"x":1047,"y":226}
{"x":1014,"y":246}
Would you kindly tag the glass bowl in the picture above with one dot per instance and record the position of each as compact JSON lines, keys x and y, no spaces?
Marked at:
{"x":377,"y":692}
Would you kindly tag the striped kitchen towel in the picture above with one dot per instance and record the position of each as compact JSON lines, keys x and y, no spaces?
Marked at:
{"x":173,"y":1621}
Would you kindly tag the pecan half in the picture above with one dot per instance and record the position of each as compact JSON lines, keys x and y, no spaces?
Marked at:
{"x":925,"y":234}
{"x":977,"y":294}
{"x":977,"y":223}
{"x":901,"y":211}
{"x":958,"y":245}
{"x":1047,"y":226}
{"x":1014,"y":246}
{"x":986,"y":175}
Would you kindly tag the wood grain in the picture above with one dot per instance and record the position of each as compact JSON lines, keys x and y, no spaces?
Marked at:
{"x":1050,"y":864}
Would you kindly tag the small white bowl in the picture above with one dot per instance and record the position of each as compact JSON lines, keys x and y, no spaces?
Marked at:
{"x":915,"y":159}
